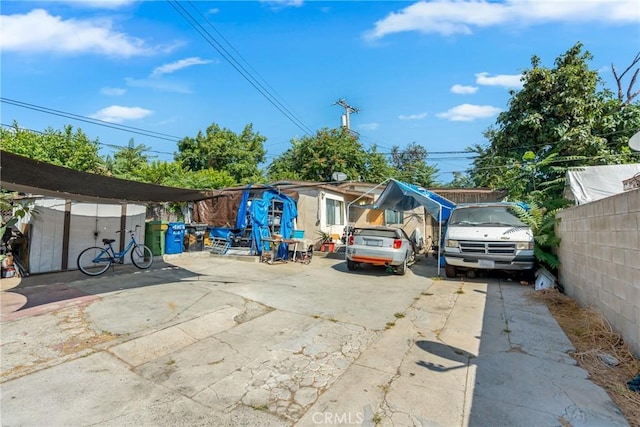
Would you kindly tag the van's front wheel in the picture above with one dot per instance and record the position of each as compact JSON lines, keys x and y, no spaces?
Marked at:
{"x":449,"y":270}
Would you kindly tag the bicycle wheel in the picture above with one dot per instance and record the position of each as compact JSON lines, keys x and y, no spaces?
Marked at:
{"x":141,"y":256}
{"x":94,"y":261}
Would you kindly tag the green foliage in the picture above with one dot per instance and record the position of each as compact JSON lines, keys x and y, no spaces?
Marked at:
{"x":68,"y":148}
{"x":542,"y":222}
{"x":376,"y":167}
{"x":206,"y":179}
{"x":316,"y":158}
{"x":410,"y":165}
{"x":127,"y":160}
{"x":223,"y":150}
{"x":172,"y":174}
{"x":558,"y":120}
{"x":461,"y":180}
{"x":19,"y":209}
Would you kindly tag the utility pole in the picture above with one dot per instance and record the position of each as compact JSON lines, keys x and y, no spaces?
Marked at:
{"x":348,"y":109}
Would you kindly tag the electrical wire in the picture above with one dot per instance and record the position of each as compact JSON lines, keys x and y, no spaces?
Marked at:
{"x":209,"y":38}
{"x":85,"y":119}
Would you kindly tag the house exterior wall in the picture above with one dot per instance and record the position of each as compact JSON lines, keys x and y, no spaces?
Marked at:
{"x":308,"y":211}
{"x":600,"y":260}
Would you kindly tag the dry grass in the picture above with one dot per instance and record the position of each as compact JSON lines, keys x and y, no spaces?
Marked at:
{"x":592,"y":335}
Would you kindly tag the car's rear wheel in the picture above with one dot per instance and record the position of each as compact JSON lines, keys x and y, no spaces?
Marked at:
{"x":351,"y":265}
{"x":449,"y":270}
{"x":402,"y":268}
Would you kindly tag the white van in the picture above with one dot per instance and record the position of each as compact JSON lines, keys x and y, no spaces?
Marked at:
{"x":487,"y":236}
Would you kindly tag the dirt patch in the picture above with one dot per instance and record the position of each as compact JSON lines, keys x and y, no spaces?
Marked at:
{"x":594,"y":340}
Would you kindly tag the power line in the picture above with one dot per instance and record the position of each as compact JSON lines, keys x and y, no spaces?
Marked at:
{"x":275,"y":93}
{"x":97,"y":142}
{"x":90,"y":120}
{"x":209,"y":38}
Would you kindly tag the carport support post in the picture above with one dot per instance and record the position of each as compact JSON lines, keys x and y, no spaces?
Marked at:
{"x":123,"y":225}
{"x":65,"y":235}
{"x":439,"y":237}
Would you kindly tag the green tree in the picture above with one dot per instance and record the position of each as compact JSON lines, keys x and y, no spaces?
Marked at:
{"x":172,"y":174}
{"x":377,"y":167}
{"x":563,"y":120}
{"x":461,"y":180}
{"x":411,"y":166}
{"x":127,"y":160}
{"x":68,"y":148}
{"x":223,"y":150}
{"x":316,"y":158}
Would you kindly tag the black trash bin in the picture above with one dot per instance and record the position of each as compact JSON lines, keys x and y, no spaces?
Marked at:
{"x":194,"y":237}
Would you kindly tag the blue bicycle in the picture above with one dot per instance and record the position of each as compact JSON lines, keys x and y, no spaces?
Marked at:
{"x":94,"y":261}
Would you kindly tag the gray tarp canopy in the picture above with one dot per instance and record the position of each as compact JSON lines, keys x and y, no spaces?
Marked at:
{"x":401,"y":196}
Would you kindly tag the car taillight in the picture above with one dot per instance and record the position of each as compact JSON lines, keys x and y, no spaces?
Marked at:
{"x":351,"y":240}
{"x":397,"y":244}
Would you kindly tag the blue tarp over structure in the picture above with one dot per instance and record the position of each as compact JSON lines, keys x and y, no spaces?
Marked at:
{"x":260,"y":218}
{"x":401,"y":196}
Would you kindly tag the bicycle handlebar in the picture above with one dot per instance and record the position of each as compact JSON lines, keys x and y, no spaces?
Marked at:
{"x":128,"y":231}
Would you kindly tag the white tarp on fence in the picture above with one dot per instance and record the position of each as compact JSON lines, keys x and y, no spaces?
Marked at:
{"x":592,"y":183}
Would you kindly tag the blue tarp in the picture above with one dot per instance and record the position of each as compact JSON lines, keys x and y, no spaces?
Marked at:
{"x":401,"y":196}
{"x":260,"y":218}
{"x":258,"y":210}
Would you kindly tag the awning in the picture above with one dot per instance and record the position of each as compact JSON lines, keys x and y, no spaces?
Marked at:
{"x":401,"y":196}
{"x":22,"y":174}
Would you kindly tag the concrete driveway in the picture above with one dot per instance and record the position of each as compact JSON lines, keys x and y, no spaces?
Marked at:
{"x":205,"y":340}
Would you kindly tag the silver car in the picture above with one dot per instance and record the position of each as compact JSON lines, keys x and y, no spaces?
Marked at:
{"x":382,"y":246}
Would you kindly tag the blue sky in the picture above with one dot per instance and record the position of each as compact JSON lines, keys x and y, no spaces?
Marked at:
{"x":436,"y":73}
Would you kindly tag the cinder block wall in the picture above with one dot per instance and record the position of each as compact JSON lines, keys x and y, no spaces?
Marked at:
{"x":600,"y":260}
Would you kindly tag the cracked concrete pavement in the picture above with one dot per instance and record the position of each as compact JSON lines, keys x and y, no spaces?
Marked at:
{"x":205,"y":340}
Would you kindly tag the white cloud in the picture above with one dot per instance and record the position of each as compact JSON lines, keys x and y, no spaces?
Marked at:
{"x":178,"y":65}
{"x":38,"y":31}
{"x":418,"y":116}
{"x":113,"y":91}
{"x":118,"y":114}
{"x":463,"y":90}
{"x":504,"y":80}
{"x":369,"y":126}
{"x":101,"y":4}
{"x":158,"y":84}
{"x":448,"y":17}
{"x":468,"y":113}
{"x":278,"y":4}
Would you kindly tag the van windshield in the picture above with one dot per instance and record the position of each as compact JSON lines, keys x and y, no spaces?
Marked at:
{"x":487,"y":216}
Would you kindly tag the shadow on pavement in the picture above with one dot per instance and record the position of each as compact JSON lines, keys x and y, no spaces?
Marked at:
{"x":73,"y":286}
{"x":444,"y":351}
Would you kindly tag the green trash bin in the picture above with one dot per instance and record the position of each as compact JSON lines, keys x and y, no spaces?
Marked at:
{"x":154,"y":236}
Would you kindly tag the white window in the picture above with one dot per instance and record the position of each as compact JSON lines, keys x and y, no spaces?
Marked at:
{"x":393,"y":217}
{"x":335,"y":212}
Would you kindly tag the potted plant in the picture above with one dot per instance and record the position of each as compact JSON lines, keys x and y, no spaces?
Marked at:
{"x":326,"y":242}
